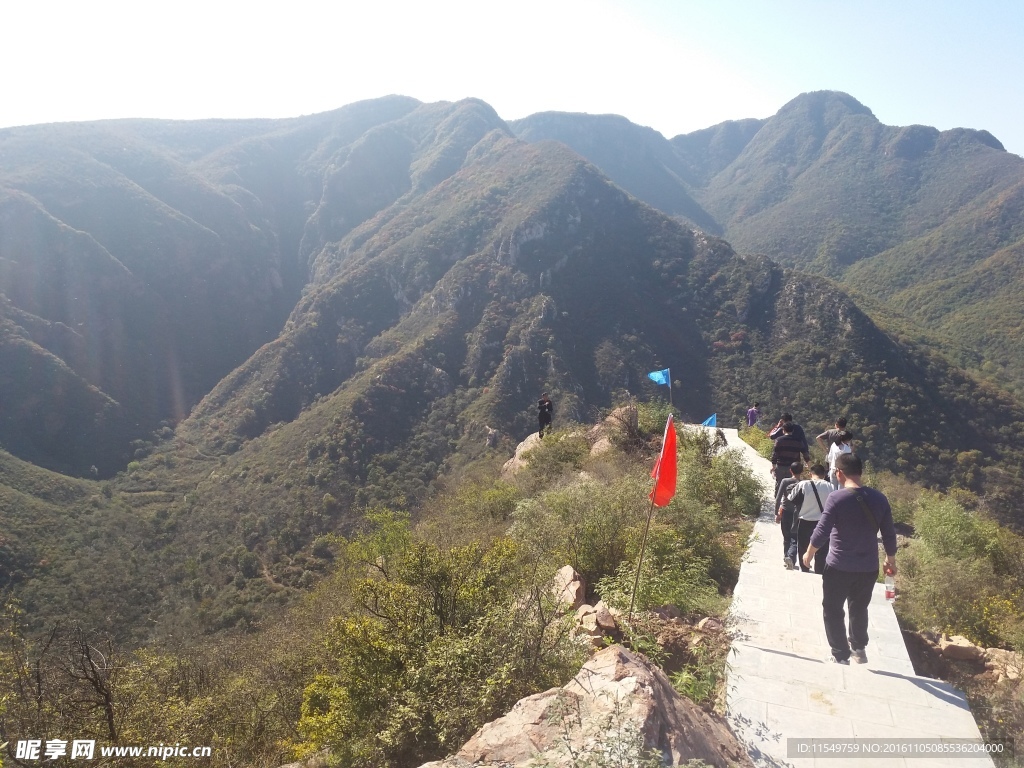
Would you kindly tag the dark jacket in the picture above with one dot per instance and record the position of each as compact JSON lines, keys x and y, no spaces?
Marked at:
{"x":788,"y":449}
{"x":798,"y":432}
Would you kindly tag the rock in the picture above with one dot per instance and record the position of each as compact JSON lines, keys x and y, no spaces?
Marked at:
{"x":616,"y":695}
{"x":589,"y":625}
{"x":583,"y":610}
{"x":519,"y":460}
{"x":567,"y":588}
{"x":710,"y":624}
{"x":605,"y":620}
{"x":492,"y":437}
{"x":603,"y":445}
{"x":960,"y":649}
{"x":624,"y":418}
{"x":1006,"y":664}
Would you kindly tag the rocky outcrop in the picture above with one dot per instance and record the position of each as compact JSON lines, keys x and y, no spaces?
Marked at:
{"x":1007,"y":665}
{"x":622,"y":421}
{"x":519,"y":460}
{"x":618,"y":701}
{"x":960,"y":649}
{"x":568,"y":588}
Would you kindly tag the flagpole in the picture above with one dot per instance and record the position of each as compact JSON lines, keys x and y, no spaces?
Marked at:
{"x":650,"y":513}
{"x":640,"y":560}
{"x":669,"y":387}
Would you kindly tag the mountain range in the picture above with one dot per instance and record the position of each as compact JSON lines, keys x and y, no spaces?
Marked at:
{"x":251,"y":331}
{"x":929,"y":223}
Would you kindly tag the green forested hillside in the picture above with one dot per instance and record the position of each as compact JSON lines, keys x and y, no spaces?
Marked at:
{"x":450,"y":311}
{"x":896,"y":212}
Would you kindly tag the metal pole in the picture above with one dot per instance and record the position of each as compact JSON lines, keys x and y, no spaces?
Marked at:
{"x":640,"y":560}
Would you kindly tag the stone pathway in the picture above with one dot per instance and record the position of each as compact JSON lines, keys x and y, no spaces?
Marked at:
{"x":779,"y":685}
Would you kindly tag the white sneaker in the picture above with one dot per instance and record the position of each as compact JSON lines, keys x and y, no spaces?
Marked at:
{"x":830,"y":659}
{"x":859,"y":656}
{"x":788,"y":562}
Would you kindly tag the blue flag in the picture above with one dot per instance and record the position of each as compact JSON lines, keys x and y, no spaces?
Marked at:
{"x":660,"y":377}
{"x":710,"y":421}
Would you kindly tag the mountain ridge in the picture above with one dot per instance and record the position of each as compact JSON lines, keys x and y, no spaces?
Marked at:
{"x":444,"y":308}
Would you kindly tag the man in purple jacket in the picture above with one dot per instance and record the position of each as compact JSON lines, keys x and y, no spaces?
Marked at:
{"x":850,"y":523}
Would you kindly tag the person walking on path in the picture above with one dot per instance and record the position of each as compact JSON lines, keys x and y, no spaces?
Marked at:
{"x":753,"y":414}
{"x":808,"y":500}
{"x":784,"y":509}
{"x":839,"y":447}
{"x":850,"y":523}
{"x":544,"y":410}
{"x":788,"y":449}
{"x":777,"y":432}
{"x":828,"y":437}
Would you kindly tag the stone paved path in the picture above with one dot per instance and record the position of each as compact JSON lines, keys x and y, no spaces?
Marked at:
{"x":779,"y":686}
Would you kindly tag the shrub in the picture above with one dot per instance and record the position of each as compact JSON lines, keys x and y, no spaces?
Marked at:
{"x":586,"y":525}
{"x":669,"y":576}
{"x":759,"y":439}
{"x":450,"y":638}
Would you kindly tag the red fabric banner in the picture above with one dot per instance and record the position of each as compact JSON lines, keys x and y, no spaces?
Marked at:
{"x":664,"y":472}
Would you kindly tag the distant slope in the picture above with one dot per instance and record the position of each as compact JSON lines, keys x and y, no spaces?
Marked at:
{"x":900,"y":212}
{"x":152,"y":257}
{"x":638,"y":159}
{"x":525,"y":270}
{"x":823,"y":184}
{"x":450,"y":273}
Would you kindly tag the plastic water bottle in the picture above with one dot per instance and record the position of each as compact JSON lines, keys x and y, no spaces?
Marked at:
{"x":890,"y":587}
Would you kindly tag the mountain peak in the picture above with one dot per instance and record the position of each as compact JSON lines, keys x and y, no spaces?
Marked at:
{"x":824,"y":103}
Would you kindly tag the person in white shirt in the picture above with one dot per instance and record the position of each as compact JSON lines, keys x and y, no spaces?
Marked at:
{"x":808,"y":498}
{"x":839,"y":447}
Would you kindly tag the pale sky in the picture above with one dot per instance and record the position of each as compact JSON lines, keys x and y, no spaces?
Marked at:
{"x":675,"y":65}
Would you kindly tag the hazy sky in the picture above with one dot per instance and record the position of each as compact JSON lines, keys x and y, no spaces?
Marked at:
{"x":675,"y":65}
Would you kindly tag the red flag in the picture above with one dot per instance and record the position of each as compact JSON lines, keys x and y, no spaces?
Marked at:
{"x":664,"y":472}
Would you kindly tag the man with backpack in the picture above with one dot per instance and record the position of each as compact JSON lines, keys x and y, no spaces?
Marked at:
{"x":850,"y":524}
{"x":808,"y":499}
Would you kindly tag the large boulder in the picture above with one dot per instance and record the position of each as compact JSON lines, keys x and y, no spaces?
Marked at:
{"x":568,"y":588}
{"x":519,"y":459}
{"x":1008,"y":665}
{"x":960,"y":648}
{"x":619,"y":701}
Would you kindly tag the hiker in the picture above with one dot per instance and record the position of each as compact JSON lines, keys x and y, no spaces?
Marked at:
{"x":808,"y":500}
{"x":850,"y":524}
{"x":777,"y":432}
{"x":753,"y":414}
{"x":828,"y":437}
{"x":544,"y":410}
{"x":839,"y":447}
{"x":784,"y":508}
{"x":787,"y":449}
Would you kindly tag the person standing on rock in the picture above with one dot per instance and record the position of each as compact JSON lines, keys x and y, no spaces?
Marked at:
{"x":850,"y":524}
{"x":544,"y":410}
